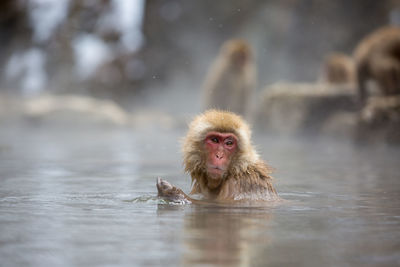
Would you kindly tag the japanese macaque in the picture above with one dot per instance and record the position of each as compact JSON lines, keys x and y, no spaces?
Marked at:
{"x":338,"y":69}
{"x":378,"y":59}
{"x":219,"y":156}
{"x":231,"y":79}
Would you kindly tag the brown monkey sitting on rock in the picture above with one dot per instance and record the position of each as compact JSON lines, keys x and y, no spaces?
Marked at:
{"x":222,"y":162}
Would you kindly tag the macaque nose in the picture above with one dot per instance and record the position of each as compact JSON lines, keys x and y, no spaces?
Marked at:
{"x":219,"y":155}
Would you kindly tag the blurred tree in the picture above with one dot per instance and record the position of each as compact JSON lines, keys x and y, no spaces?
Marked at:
{"x":15,"y":33}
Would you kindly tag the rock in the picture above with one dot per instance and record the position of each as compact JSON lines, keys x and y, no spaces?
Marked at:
{"x":74,"y":109}
{"x":379,"y":120}
{"x":307,"y":108}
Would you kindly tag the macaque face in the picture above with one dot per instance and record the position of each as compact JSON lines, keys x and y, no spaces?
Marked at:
{"x":220,"y":147}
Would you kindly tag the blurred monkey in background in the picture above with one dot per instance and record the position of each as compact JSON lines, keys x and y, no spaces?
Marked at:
{"x":377,"y":58}
{"x":231,"y":79}
{"x":338,"y":68}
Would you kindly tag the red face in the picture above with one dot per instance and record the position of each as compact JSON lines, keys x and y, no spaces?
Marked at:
{"x":220,"y":148}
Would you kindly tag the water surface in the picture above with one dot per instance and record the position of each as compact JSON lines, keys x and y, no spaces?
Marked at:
{"x":86,"y":197}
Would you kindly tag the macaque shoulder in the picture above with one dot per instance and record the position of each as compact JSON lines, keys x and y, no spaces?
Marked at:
{"x":254,"y":184}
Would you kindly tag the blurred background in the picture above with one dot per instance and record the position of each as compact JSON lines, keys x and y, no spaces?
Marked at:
{"x":140,"y":53}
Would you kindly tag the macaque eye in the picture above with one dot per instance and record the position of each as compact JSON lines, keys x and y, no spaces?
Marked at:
{"x":229,"y":143}
{"x":214,"y":139}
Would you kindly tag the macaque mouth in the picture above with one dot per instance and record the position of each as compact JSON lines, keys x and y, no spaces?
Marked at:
{"x":216,"y":167}
{"x":215,"y":170}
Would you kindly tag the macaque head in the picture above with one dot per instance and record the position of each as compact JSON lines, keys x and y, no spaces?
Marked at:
{"x":338,"y":68}
{"x":237,"y":51}
{"x":217,"y":144}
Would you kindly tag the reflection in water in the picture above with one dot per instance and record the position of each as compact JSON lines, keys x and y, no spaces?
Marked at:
{"x":223,"y":236}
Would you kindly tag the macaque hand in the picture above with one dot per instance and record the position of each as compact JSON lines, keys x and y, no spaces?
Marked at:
{"x":171,"y":193}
